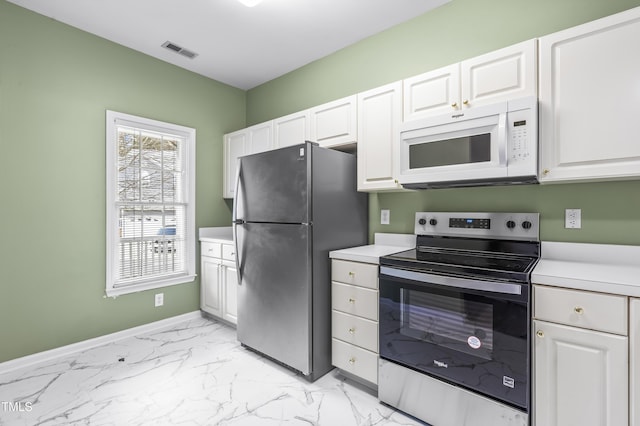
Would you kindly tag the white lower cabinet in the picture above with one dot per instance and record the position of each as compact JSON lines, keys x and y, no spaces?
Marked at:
{"x":354,"y":318}
{"x":581,"y":375}
{"x":634,"y":362}
{"x":219,"y":281}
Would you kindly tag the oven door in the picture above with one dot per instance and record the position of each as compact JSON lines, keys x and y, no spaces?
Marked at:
{"x":467,"y":332}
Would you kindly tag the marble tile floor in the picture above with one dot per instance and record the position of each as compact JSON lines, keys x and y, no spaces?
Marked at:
{"x":195,"y":373}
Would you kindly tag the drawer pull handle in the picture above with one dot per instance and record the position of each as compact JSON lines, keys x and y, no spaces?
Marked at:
{"x":540,"y":333}
{"x":352,"y":360}
{"x":578,"y":310}
{"x":352,"y":330}
{"x":351,"y":300}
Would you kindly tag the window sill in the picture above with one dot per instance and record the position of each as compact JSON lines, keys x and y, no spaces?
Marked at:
{"x":135,"y":288}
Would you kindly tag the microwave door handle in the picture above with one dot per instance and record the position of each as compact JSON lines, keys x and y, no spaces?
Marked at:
{"x":462,"y":283}
{"x":502,"y":139}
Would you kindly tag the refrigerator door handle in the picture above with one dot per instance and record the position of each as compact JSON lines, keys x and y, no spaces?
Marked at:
{"x":237,"y":222}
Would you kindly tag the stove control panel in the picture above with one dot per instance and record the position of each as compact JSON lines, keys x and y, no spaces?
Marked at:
{"x":516,"y":226}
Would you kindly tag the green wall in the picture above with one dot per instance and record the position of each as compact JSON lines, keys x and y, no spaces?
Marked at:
{"x":55,"y":84}
{"x":456,"y":31}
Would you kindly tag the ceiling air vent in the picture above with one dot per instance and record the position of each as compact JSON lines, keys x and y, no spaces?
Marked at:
{"x":184,"y":52}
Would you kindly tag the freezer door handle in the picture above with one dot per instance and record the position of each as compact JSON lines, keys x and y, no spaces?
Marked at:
{"x":238,"y":222}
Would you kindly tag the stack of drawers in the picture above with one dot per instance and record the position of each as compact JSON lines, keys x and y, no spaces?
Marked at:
{"x":354,"y":301}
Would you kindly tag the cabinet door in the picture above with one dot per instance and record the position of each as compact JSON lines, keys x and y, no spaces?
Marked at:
{"x":589,"y":100}
{"x":210,"y":288}
{"x":432,"y":93}
{"x":234,"y":148}
{"x":292,"y":129}
{"x":335,"y":123}
{"x":581,"y":377}
{"x":260,"y":138}
{"x":230,"y":294}
{"x":634,"y":359}
{"x":504,"y":74}
{"x":379,"y":118}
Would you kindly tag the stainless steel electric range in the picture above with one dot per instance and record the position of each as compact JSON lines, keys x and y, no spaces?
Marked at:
{"x":455,"y":319}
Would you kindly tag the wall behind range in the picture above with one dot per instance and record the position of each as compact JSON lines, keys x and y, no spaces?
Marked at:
{"x":456,"y":31}
{"x":55,"y":84}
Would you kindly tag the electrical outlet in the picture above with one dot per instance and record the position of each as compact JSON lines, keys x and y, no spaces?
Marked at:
{"x":573,"y":218}
{"x":384,"y":216}
{"x":159,"y":299}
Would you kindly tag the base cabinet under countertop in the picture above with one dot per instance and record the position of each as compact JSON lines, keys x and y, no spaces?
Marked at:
{"x":219,"y":281}
{"x":354,"y":327}
{"x":581,"y":358}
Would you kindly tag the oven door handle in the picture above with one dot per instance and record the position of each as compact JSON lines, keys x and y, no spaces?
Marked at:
{"x":463,"y":283}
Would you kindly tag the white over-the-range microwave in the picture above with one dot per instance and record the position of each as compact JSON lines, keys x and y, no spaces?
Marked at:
{"x":487,"y":145}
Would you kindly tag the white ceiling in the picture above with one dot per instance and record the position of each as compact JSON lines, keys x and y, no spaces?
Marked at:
{"x":237,"y":45}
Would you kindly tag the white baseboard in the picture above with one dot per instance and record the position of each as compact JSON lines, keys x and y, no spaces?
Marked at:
{"x":29,"y":360}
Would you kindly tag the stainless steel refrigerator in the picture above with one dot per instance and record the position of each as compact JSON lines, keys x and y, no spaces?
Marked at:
{"x":292,"y":206}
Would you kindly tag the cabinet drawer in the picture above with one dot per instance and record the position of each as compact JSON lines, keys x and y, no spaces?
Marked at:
{"x":361,"y":274}
{"x":355,"y":330}
{"x":357,"y":361}
{"x":211,"y":249}
{"x":229,"y":252}
{"x":595,"y":311}
{"x":355,"y":300}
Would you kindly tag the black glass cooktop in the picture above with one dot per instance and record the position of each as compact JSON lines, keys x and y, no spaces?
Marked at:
{"x":503,"y":261}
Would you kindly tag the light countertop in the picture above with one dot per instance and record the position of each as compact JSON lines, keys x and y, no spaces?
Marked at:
{"x":223,"y":234}
{"x":596,"y":267}
{"x":384,"y":244}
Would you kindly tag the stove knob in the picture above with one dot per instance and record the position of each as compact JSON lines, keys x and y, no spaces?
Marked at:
{"x":422,"y":221}
{"x":511,"y":224}
{"x":433,"y":222}
{"x":526,"y":224}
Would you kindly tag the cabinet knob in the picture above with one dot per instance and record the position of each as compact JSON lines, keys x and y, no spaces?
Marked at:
{"x":546,"y":172}
{"x":396,"y":181}
{"x":454,"y":105}
{"x":578,"y":310}
{"x":352,"y":330}
{"x":351,"y":300}
{"x":352,"y":360}
{"x":466,"y":102}
{"x":540,"y":333}
{"x":352,"y":274}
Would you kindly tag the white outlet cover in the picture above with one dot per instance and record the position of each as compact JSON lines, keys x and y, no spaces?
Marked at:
{"x":573,"y":218}
{"x":159,"y":299}
{"x":385,"y":216}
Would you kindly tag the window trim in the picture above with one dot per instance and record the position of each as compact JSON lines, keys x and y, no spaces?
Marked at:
{"x":113,"y":119}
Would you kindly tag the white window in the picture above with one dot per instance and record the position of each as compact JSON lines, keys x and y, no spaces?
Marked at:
{"x":150,"y":204}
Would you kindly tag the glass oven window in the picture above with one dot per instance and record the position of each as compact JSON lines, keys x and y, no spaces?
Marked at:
{"x":454,"y":322}
{"x":464,"y":150}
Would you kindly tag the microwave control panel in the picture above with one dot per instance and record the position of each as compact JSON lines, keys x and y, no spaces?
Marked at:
{"x":522,"y":129}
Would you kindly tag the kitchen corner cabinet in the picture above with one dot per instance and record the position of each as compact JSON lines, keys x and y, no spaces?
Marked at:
{"x":379,"y":119}
{"x":634,"y":361}
{"x":254,"y":139}
{"x":581,"y":358}
{"x":589,"y":100}
{"x":334,"y":123}
{"x":291,"y":129}
{"x":219,"y":281}
{"x":354,"y":319}
{"x":504,"y":74}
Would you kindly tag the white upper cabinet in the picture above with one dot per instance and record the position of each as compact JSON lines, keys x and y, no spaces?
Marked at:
{"x":590,"y":100}
{"x":335,"y":123}
{"x":260,"y":138}
{"x":379,"y":119}
{"x":507,"y":73}
{"x":234,"y":147}
{"x":432,"y":93}
{"x":291,"y":129}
